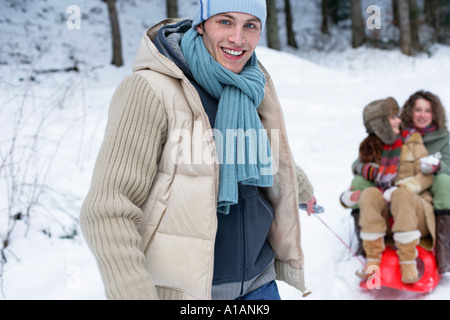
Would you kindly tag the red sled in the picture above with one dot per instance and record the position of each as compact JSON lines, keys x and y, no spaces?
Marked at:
{"x":389,"y":273}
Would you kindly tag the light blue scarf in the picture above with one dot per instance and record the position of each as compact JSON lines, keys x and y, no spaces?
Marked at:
{"x":245,"y":160}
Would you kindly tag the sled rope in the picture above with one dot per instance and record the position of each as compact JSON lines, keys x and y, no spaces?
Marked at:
{"x":340,"y":239}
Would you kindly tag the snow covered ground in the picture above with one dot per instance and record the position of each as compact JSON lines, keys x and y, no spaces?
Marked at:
{"x":60,"y":127}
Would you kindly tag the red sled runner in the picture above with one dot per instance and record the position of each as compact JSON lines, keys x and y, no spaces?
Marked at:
{"x":389,"y":273}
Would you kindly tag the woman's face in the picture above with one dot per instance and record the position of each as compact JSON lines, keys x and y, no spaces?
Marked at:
{"x":422,"y":115}
{"x":395,"y":122}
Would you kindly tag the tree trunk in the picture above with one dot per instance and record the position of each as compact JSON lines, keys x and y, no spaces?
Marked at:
{"x":405,"y":27}
{"x":289,"y":25}
{"x":324,"y":26}
{"x":172,"y":8}
{"x":273,"y":40}
{"x":414,"y":16}
{"x":395,"y":12}
{"x":334,"y":10}
{"x":115,"y":32}
{"x":358,"y":33}
{"x":432,"y":17}
{"x":444,"y":22}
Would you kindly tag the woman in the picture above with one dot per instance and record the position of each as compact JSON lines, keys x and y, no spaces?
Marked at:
{"x":400,"y":189}
{"x":423,"y":111}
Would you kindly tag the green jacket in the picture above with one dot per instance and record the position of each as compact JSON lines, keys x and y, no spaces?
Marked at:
{"x":439,"y":141}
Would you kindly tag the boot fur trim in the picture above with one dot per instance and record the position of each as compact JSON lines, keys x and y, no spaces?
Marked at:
{"x":408,"y":262}
{"x":371,"y":236}
{"x":407,"y":237}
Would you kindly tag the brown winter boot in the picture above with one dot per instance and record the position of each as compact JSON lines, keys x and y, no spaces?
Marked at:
{"x":360,"y":250}
{"x":443,"y":242}
{"x":407,"y":254}
{"x":373,"y":249}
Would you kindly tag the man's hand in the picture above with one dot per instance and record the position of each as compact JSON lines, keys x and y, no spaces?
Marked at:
{"x":310,"y":205}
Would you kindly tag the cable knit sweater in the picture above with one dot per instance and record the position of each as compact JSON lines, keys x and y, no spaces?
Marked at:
{"x":120,"y":185}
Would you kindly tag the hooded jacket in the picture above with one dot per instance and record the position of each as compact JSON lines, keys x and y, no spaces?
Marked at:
{"x":439,"y":141}
{"x":150,"y":216}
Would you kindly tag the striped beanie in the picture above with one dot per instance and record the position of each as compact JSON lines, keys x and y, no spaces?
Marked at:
{"x":208,"y":8}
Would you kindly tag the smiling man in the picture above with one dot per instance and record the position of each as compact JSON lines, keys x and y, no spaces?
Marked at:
{"x":231,"y":38}
{"x":162,"y":220}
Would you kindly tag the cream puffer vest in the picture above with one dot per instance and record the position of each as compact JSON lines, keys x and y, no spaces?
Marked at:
{"x":179,"y":226}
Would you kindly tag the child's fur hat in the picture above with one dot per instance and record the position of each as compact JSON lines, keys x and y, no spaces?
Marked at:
{"x":376,"y":118}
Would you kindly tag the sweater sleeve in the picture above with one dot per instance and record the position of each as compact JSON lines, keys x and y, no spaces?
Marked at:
{"x":305,"y":188}
{"x":445,"y":161}
{"x":122,"y":177}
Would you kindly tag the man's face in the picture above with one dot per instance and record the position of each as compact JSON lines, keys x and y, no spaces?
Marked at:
{"x":231,"y":38}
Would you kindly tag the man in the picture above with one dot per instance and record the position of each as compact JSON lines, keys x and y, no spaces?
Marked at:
{"x":184,"y":203}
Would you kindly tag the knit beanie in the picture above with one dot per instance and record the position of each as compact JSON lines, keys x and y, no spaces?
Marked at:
{"x":376,"y":119}
{"x":208,"y":8}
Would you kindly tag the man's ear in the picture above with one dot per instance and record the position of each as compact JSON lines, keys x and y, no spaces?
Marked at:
{"x":199,"y":29}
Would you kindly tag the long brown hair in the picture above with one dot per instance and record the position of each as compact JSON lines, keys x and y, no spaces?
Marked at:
{"x":439,"y":116}
{"x":370,"y":149}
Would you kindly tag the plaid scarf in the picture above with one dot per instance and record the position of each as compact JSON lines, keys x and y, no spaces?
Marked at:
{"x":423,"y":131}
{"x":390,"y":159}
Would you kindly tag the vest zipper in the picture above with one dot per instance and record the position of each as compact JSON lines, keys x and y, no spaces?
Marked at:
{"x":264,"y":203}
